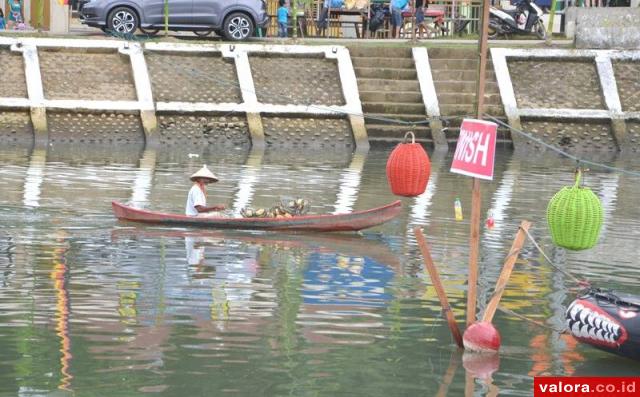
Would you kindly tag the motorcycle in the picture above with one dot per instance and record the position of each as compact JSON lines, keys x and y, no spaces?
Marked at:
{"x":525,"y":19}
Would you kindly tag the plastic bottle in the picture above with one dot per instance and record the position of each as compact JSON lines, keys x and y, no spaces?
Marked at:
{"x":458,"y":209}
{"x":490,"y":220}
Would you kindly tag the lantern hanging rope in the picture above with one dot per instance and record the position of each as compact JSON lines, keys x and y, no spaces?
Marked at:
{"x":574,"y":216}
{"x":408,"y":168}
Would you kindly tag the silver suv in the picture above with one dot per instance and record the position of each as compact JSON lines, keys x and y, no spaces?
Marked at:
{"x":233,"y":19}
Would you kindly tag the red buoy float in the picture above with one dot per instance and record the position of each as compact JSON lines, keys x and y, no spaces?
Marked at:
{"x":408,"y":168}
{"x":481,"y":336}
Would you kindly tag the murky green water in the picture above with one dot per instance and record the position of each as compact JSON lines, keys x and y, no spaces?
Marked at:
{"x":94,"y":307}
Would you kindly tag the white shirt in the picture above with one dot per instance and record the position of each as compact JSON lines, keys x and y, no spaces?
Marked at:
{"x":196,"y":197}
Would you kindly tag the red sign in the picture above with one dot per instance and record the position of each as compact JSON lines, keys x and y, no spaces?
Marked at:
{"x":476,"y":149}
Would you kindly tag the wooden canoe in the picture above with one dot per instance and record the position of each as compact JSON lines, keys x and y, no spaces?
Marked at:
{"x":318,"y":223}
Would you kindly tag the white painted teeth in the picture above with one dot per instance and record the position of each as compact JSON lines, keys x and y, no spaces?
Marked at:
{"x":574,"y":312}
{"x":575,"y":329}
{"x":587,"y":323}
{"x":616,"y":327}
{"x":584,"y":331}
{"x":583,"y":316}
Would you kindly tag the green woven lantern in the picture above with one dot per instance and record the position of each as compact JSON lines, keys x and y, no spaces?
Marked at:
{"x":574,"y":216}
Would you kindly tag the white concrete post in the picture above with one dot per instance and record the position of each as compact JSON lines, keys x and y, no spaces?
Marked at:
{"x":429,"y":95}
{"x":35,"y":92}
{"x":612,"y":99}
{"x":248,"y":90}
{"x":351,"y":95}
{"x":143,"y":89}
{"x":507,"y":94}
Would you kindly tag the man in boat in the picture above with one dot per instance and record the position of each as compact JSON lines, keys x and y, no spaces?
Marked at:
{"x":197,"y":198}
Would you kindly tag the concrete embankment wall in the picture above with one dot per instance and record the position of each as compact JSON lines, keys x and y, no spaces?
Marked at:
{"x":249,"y":95}
{"x":604,"y":27}
{"x":578,"y":100}
{"x":105,"y":91}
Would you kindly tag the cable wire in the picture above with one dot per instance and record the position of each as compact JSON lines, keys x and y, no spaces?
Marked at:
{"x":560,"y":151}
{"x":582,"y":283}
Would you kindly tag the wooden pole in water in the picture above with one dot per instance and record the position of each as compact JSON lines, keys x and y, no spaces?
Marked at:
{"x":447,"y":378}
{"x":474,"y":244}
{"x":437,"y":284}
{"x":509,"y":263}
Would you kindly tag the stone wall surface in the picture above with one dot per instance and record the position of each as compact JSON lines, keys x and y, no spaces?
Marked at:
{"x":296,"y":80}
{"x":309,"y":132}
{"x":83,"y":75}
{"x":633,"y":136}
{"x":15,"y":127}
{"x":556,"y":84}
{"x":65,"y":127}
{"x":13,"y":82}
{"x":572,"y":135}
{"x":217,"y":131}
{"x":604,"y":27}
{"x":628,"y":82}
{"x":193,"y":78}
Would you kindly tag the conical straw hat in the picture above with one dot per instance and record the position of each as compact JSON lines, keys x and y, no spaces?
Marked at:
{"x":204,"y":173}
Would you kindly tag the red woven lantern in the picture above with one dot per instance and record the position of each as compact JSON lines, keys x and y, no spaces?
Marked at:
{"x":408,"y":168}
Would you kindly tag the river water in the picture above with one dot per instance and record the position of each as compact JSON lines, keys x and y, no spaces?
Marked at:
{"x":90,"y":306}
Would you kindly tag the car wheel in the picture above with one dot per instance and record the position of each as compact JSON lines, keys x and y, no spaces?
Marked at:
{"x":238,"y":26}
{"x":122,"y":20}
{"x":202,"y":33}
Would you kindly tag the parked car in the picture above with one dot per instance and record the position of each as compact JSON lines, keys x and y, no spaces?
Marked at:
{"x":233,"y":19}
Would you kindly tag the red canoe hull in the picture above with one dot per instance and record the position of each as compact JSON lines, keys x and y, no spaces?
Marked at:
{"x":352,"y":221}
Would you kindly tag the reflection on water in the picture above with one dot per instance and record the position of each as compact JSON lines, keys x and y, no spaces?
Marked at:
{"x":93,"y":306}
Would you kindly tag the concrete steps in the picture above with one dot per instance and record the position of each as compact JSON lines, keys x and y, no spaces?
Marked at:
{"x":386,"y":73}
{"x":377,"y":62}
{"x":391,"y":96}
{"x":466,"y":98}
{"x":469,"y":110}
{"x":365,"y":51}
{"x":387,"y":132}
{"x":440,"y":64}
{"x":450,"y":86}
{"x":390,"y":93}
{"x":455,"y":72}
{"x":459,"y":75}
{"x":453,"y":53}
{"x":392,"y":119}
{"x":367,"y":84}
{"x":394,"y":108}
